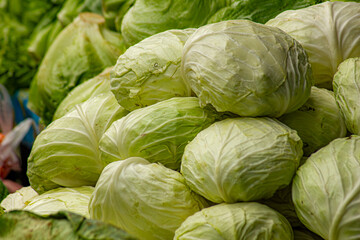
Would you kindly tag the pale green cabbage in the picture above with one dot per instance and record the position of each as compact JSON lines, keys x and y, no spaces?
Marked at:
{"x":158,"y":132}
{"x":240,"y":221}
{"x":148,"y":17}
{"x":67,"y":152}
{"x":62,"y":199}
{"x":247,"y":68}
{"x":81,"y":51}
{"x":147,"y":200}
{"x":329,"y":33}
{"x":318,"y":121}
{"x":347,"y":92}
{"x":93,"y":87}
{"x":326,"y":190}
{"x":149,"y":71}
{"x":241,"y":159}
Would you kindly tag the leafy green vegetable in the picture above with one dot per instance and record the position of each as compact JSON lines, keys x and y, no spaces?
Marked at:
{"x":67,"y":152}
{"x":148,"y":17}
{"x":258,"y":11}
{"x":328,"y":32}
{"x":18,"y":18}
{"x":147,"y":200}
{"x":326,"y":190}
{"x":241,"y":221}
{"x":347,"y":93}
{"x":16,"y":67}
{"x":62,"y":199}
{"x":241,"y":159}
{"x":81,"y":51}
{"x":318,"y":121}
{"x":158,"y":132}
{"x":62,"y":225}
{"x":247,"y":68}
{"x":149,"y":71}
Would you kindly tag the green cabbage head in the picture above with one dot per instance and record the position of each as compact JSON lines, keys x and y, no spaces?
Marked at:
{"x":67,"y":152}
{"x":147,"y":200}
{"x":149,"y":71}
{"x":241,"y":159}
{"x":318,"y":121}
{"x":247,"y":68}
{"x":81,"y":51}
{"x":329,"y":33}
{"x":158,"y":132}
{"x":347,"y":92}
{"x":240,"y":221}
{"x":326,"y":190}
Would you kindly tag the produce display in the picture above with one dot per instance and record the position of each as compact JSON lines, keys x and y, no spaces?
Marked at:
{"x":180,"y":120}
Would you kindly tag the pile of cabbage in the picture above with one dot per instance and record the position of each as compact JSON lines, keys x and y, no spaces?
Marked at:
{"x":212,"y":129}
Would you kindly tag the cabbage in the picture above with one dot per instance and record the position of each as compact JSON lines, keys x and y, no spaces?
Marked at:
{"x":329,"y":33}
{"x":148,"y":17}
{"x":158,"y":132}
{"x":66,"y":153}
{"x":347,"y":93}
{"x":149,"y":71}
{"x":247,"y":68}
{"x":318,"y":121}
{"x":81,"y":51}
{"x":241,"y":159}
{"x":241,"y":221}
{"x":147,"y":200}
{"x":93,"y":87}
{"x":326,"y":190}
{"x":19,"y":199}
{"x":62,"y":199}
